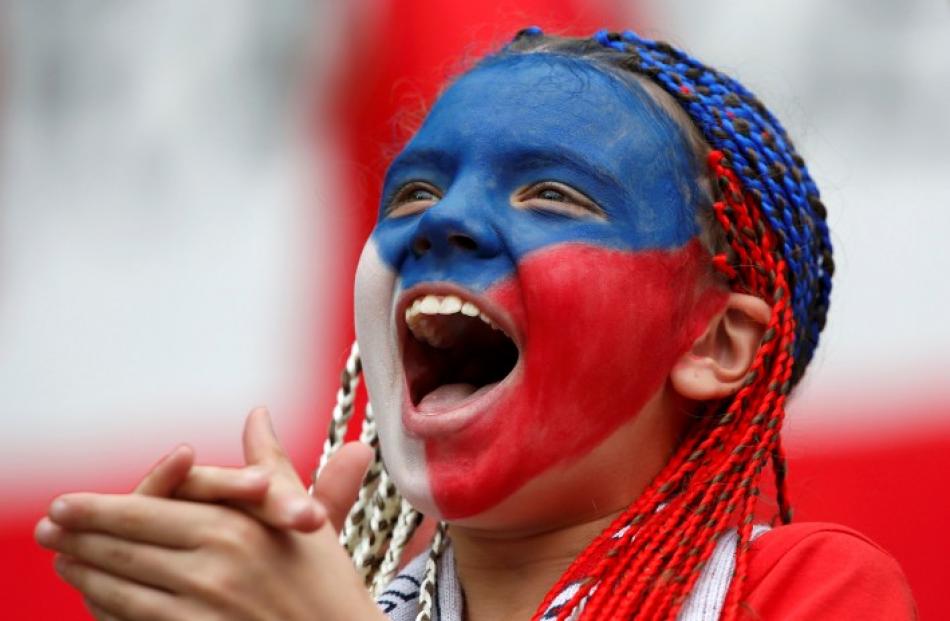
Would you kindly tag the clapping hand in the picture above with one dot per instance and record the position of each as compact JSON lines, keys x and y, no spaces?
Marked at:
{"x":200,"y":542}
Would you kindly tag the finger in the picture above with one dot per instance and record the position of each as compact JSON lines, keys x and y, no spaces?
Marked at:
{"x":168,"y":473}
{"x":339,"y":483}
{"x":160,"y":521}
{"x":99,"y":613}
{"x":261,"y":445}
{"x":290,"y":510}
{"x":143,"y":563}
{"x":249,"y":490}
{"x":214,"y":484}
{"x":119,"y":597}
{"x":288,"y":505}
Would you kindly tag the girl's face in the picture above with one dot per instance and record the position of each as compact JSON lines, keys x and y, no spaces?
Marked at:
{"x":533,"y":276}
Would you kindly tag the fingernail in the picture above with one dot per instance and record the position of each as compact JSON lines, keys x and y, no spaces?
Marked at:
{"x":45,"y":531}
{"x":58,"y":509}
{"x":300,"y":509}
{"x":60,"y":564}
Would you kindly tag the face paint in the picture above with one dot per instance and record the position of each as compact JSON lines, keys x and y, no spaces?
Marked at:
{"x":559,"y":202}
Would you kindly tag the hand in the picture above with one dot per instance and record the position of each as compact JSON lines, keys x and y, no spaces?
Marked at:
{"x":285,"y":507}
{"x":143,"y":557}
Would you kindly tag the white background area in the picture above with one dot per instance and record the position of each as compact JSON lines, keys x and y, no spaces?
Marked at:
{"x":161,"y":245}
{"x":163,"y":239}
{"x":863,"y":88}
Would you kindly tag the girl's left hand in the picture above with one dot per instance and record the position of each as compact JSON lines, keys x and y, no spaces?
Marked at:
{"x":138,"y":557}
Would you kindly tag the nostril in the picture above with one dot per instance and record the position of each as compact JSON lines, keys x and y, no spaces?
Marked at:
{"x":421,"y":245}
{"x":463,"y":241}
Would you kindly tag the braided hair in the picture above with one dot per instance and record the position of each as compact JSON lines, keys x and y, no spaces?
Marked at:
{"x":772,"y":242}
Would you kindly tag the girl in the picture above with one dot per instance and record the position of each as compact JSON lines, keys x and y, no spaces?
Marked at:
{"x":599,"y":269}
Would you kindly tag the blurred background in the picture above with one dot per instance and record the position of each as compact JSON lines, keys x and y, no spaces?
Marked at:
{"x":185,"y":186}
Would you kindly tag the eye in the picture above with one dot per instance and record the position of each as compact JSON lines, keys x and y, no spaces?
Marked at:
{"x":552,"y":195}
{"x":412,"y":198}
{"x":558,"y":198}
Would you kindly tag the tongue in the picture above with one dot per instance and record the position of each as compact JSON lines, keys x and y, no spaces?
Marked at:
{"x":445,"y":397}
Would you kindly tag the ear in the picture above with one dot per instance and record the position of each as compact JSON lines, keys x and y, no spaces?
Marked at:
{"x":716,"y":364}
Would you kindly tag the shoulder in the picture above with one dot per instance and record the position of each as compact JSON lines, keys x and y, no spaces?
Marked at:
{"x":816,"y":570}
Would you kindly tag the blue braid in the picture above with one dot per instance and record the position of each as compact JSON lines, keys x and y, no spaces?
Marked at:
{"x":757,"y":148}
{"x":777,"y":176}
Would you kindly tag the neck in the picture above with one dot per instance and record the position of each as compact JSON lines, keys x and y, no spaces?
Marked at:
{"x":506,"y":575}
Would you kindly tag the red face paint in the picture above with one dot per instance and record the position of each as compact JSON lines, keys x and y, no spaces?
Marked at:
{"x":601,"y":329}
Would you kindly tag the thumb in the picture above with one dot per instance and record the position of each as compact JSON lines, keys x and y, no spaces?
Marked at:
{"x":287,"y":498}
{"x":261,"y":447}
{"x":339,"y":484}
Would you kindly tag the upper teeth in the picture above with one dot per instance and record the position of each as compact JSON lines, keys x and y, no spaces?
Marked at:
{"x":440,"y":305}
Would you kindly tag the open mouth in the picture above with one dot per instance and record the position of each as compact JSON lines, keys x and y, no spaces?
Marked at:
{"x":452,"y":352}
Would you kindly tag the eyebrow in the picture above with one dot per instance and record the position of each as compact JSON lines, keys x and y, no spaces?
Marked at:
{"x":521,"y":160}
{"x":533,"y":158}
{"x":436,"y":158}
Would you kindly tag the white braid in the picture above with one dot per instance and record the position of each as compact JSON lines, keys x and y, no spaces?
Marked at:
{"x":354,"y":529}
{"x":343,"y":410}
{"x":406,"y":524}
{"x":379,"y":528}
{"x":380,"y":522}
{"x":368,"y":431}
{"x":428,"y":591}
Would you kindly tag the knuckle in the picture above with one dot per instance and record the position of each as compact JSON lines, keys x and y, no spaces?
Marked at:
{"x":116,"y":600}
{"x":237,"y":534}
{"x":120,"y":556}
{"x":276,"y":455}
{"x":130,"y":520}
{"x":215,"y":584}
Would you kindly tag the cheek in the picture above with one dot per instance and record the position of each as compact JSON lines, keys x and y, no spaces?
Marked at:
{"x":602,"y":329}
{"x":376,"y":289}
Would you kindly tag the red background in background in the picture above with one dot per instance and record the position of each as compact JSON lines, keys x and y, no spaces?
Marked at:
{"x":887,"y":488}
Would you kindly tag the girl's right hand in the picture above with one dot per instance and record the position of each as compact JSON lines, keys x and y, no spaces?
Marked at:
{"x":253,"y":488}
{"x":269,"y":492}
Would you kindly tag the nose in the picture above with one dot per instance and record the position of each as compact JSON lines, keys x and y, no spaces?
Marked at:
{"x":444,"y":231}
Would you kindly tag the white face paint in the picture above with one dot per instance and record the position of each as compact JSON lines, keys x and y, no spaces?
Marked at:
{"x":377,"y":290}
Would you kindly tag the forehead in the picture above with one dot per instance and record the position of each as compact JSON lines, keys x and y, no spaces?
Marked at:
{"x":546,"y":102}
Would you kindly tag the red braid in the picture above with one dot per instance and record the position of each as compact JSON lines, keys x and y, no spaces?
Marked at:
{"x":710,"y":485}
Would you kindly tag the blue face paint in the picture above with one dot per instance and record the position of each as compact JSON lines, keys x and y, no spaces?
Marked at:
{"x":515,"y":122}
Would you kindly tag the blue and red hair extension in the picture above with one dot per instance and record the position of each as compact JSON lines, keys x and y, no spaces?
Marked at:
{"x":777,"y":247}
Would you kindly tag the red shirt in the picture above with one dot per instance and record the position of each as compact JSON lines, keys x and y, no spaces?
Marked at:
{"x":816,"y":571}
